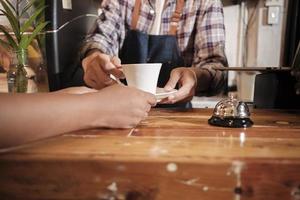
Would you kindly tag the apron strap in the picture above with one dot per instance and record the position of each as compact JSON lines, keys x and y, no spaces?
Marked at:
{"x":135,"y":14}
{"x":174,"y":20}
{"x":176,"y":17}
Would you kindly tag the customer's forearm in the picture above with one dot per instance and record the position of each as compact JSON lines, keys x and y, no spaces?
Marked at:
{"x":26,"y":117}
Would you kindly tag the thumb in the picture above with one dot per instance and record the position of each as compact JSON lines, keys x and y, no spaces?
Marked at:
{"x":117,"y":72}
{"x":174,"y":78}
{"x":109,"y":67}
{"x":104,"y":61}
{"x":116,"y":61}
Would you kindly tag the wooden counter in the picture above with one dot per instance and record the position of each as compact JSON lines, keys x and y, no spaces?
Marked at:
{"x":174,"y":154}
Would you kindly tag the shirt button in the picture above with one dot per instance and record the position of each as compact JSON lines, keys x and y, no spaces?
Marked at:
{"x":152,"y":11}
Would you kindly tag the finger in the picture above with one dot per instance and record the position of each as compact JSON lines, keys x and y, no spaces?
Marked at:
{"x":96,"y":75}
{"x":86,"y":63}
{"x":164,"y":101}
{"x":183,"y":93}
{"x":90,"y":61}
{"x":92,"y":83}
{"x":117,"y":72}
{"x":152,"y":100}
{"x":110,"y":66}
{"x":174,"y":78}
{"x":102,"y":77}
{"x":105,"y":62}
{"x":116,"y":61}
{"x":147,"y":108}
{"x":89,"y":79}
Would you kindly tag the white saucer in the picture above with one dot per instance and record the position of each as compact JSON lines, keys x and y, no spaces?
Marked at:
{"x":161,"y":93}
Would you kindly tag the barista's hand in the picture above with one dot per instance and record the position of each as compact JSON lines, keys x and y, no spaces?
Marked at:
{"x":187,"y":81}
{"x":120,"y":106}
{"x":98,"y":67}
{"x":4,"y":59}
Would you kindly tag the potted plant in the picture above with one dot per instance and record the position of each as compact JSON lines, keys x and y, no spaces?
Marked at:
{"x":24,"y":30}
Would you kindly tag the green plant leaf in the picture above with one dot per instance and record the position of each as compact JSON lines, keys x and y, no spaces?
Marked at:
{"x":29,"y":5}
{"x":40,"y":18}
{"x":9,"y":38}
{"x":13,"y":19}
{"x":37,"y":30}
{"x":10,"y":11}
{"x":30,"y":21}
{"x":10,"y":5}
{"x":13,"y":23}
{"x":23,"y":42}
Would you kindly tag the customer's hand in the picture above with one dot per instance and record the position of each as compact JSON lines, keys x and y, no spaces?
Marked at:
{"x":121,"y":106}
{"x":98,"y":67}
{"x":187,"y":82}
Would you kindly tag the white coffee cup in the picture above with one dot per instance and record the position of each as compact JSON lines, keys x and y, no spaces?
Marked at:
{"x":142,"y":76}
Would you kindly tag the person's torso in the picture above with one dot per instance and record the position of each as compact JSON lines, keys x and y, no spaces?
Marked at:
{"x":185,"y":29}
{"x":158,"y":9}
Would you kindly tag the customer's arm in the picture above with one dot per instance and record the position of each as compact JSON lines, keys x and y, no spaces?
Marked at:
{"x":28,"y":117}
{"x":100,"y":50}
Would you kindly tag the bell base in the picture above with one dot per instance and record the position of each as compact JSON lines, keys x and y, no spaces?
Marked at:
{"x":230,"y":122}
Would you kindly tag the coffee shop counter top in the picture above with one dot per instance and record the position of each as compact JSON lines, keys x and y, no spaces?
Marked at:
{"x":173,"y":154}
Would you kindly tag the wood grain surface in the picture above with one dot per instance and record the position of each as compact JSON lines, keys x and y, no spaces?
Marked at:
{"x":173,"y":154}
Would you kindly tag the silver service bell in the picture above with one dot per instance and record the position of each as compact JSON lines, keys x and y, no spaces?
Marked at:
{"x":230,"y":112}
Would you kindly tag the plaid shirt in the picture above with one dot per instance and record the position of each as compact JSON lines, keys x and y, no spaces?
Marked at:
{"x":200,"y":32}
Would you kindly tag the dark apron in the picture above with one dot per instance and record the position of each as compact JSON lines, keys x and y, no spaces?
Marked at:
{"x":140,"y":47}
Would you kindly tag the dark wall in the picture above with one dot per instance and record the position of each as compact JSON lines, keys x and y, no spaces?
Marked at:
{"x":292,"y":32}
{"x":66,"y":31}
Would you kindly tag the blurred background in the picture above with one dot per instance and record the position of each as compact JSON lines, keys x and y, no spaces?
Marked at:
{"x":260,"y":33}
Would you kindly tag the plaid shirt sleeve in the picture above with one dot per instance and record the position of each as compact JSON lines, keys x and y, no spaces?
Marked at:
{"x":109,"y":31}
{"x":209,"y":44}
